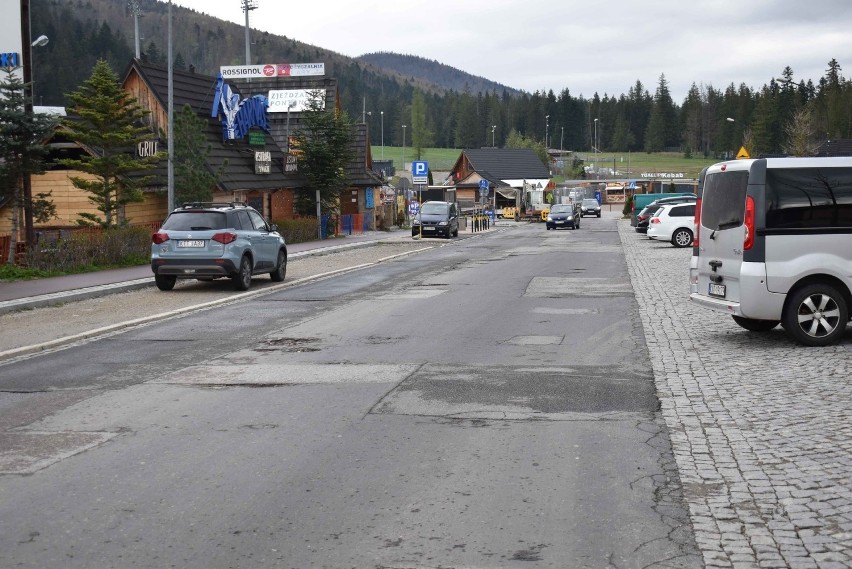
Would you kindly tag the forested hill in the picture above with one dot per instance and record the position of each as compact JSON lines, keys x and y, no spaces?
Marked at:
{"x":430,"y":70}
{"x":83,"y":31}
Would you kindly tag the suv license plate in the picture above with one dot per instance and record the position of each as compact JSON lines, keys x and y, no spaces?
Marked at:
{"x":717,"y":290}
{"x":194,"y":244}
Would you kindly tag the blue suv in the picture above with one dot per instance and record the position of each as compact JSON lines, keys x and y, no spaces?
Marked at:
{"x":206,"y":241}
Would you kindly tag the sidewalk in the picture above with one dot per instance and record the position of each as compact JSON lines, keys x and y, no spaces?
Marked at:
{"x":55,"y":290}
{"x":37,"y":293}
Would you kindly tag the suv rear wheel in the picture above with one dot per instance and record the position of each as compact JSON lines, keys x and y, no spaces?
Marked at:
{"x":816,"y":315}
{"x":242,"y":280}
{"x":165,"y":282}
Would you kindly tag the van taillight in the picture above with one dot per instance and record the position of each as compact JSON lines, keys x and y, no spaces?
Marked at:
{"x":697,"y":222}
{"x":225,"y":237}
{"x":159,"y":237}
{"x":748,"y":242}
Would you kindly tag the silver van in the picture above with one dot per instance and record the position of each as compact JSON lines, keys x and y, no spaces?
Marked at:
{"x":774,"y":244}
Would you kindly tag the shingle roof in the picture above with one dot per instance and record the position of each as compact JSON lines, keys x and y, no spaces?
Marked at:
{"x":507,"y":163}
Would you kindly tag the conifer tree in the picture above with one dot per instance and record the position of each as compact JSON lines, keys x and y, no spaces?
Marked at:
{"x":324,"y":142}
{"x":193,"y":181}
{"x":22,"y":153}
{"x":109,"y":122}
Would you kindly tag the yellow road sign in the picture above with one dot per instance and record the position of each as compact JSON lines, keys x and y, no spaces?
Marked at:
{"x":743,"y":153}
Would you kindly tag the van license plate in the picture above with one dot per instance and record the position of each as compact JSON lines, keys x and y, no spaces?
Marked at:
{"x":717,"y":290}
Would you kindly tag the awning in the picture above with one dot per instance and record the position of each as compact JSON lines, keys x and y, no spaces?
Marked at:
{"x":508,"y":193}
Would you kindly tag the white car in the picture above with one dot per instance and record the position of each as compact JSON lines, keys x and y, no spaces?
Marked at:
{"x":675,"y":223}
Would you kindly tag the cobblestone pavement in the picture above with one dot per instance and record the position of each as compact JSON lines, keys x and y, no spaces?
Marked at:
{"x":761,"y":427}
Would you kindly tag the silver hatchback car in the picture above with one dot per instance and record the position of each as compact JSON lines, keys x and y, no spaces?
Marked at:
{"x":214,"y":240}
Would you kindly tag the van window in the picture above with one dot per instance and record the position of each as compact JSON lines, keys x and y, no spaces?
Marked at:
{"x":799,"y":198}
{"x":723,"y":206}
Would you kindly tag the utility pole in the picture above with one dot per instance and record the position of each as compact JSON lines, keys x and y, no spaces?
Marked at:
{"x":248,"y":6}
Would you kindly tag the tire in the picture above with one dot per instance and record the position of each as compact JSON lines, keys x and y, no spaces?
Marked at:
{"x":242,"y":280}
{"x":280,"y":268}
{"x":599,"y":215}
{"x":682,"y":237}
{"x":816,"y":315}
{"x":165,"y":282}
{"x":753,"y":325}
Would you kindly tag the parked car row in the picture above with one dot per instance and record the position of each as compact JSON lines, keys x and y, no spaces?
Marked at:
{"x":669,"y":219}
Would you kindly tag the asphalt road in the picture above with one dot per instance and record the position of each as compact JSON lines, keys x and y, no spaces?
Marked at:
{"x":488,"y":403}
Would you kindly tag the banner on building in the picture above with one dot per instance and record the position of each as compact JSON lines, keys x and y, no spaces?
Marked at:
{"x":269,"y":70}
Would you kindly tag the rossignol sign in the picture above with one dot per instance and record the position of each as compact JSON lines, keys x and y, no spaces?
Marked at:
{"x":267,"y":70}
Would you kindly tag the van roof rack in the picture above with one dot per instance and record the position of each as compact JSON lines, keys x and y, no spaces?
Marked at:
{"x":198,"y":205}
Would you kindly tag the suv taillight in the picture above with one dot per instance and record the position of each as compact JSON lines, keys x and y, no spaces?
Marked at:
{"x":225,"y":237}
{"x":748,"y":242}
{"x":697,"y":222}
{"x":159,"y":237}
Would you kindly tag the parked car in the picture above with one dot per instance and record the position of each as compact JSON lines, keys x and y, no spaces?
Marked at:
{"x":563,"y":215}
{"x":644,"y":216}
{"x":215,"y":240}
{"x":774,"y":245}
{"x":436,"y":219}
{"x":642,"y":200}
{"x":674,"y":223}
{"x":590,"y":206}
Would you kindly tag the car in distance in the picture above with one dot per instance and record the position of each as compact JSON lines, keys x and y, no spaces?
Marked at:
{"x":563,"y":215}
{"x":674,"y":223}
{"x":436,"y":219}
{"x":590,"y":206}
{"x":215,"y":240}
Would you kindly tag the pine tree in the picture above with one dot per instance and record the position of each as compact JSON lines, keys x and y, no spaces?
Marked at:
{"x":22,"y":153}
{"x":107,"y":120}
{"x":193,"y":181}
{"x":325,"y":140}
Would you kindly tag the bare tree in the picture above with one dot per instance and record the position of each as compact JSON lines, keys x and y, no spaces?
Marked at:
{"x":801,"y":134}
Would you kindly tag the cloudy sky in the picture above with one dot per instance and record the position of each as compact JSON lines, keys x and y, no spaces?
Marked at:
{"x":585,"y":47}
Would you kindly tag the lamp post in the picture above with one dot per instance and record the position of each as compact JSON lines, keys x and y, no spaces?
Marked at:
{"x":403,"y":147}
{"x":561,"y":139}
{"x":290,"y":105}
{"x":493,"y":143}
{"x":596,"y":149}
{"x":383,"y":134}
{"x":546,"y":128}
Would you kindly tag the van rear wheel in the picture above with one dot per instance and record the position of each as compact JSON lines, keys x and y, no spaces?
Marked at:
{"x":753,"y":325}
{"x":816,"y":315}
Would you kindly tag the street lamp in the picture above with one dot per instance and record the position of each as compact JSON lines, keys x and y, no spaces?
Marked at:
{"x":596,"y":149}
{"x":383,"y":134}
{"x":403,"y":147}
{"x":290,"y":105}
{"x":546,"y":128}
{"x":493,"y":128}
{"x":561,"y":139}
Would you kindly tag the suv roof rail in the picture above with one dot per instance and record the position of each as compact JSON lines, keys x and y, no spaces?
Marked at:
{"x":196,"y":205}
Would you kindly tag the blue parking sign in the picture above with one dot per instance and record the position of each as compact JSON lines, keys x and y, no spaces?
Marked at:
{"x":420,"y":171}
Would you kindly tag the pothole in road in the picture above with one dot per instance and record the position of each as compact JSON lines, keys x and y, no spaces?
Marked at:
{"x":288,"y":345}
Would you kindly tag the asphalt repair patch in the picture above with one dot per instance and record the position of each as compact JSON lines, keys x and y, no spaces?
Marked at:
{"x":521,"y":393}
